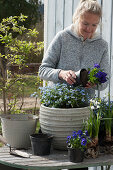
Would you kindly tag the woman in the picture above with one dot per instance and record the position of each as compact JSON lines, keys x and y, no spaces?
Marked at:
{"x":76,"y":47}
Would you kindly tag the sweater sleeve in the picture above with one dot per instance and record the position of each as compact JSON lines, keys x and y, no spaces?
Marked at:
{"x":48,"y":69}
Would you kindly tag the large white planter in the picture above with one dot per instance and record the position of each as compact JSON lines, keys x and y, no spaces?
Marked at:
{"x":61,"y":122}
{"x":17,"y":128}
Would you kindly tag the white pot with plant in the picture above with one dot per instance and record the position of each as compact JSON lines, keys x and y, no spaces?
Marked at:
{"x":63,"y":109}
{"x":17,"y":128}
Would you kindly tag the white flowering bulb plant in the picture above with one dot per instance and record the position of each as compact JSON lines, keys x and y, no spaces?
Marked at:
{"x":64,"y":96}
{"x":100,"y":120}
{"x":107,"y":116}
{"x":93,"y":122}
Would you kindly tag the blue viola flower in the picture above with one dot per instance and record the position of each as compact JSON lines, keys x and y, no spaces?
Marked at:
{"x":101,"y":76}
{"x":96,"y":65}
{"x":84,"y":141}
{"x":68,"y":137}
{"x":80,"y":133}
{"x":74,"y":136}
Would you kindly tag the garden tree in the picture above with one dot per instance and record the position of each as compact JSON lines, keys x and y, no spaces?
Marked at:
{"x":30,"y":8}
{"x":14,"y":50}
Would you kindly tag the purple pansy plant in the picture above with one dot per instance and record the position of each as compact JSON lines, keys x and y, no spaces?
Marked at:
{"x":97,"y":75}
{"x":78,"y":139}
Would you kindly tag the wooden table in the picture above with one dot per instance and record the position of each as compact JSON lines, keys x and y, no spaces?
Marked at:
{"x":56,"y":160}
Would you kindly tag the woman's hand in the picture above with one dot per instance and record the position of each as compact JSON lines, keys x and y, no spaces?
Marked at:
{"x":69,"y":76}
{"x":90,"y":85}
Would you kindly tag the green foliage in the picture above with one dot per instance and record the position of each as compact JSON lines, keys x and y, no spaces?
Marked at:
{"x":15,"y":50}
{"x":92,"y":78}
{"x":21,"y":88}
{"x":26,"y":83}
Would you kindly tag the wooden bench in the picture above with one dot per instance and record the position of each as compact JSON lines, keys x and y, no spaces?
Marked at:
{"x":55,"y":161}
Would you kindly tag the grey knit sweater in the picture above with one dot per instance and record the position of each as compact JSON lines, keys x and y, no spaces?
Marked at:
{"x":68,"y":51}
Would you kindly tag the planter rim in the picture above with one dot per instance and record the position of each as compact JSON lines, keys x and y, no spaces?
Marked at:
{"x":73,"y":148}
{"x":41,"y":135}
{"x":51,"y":108}
{"x":10,"y":116}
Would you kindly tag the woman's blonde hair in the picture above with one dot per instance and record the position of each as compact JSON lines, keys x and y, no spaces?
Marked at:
{"x":91,"y":6}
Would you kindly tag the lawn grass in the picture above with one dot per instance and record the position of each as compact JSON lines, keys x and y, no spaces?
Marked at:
{"x":24,"y":87}
{"x":30,"y":84}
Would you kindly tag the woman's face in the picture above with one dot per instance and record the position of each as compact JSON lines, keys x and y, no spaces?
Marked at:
{"x":87,"y":25}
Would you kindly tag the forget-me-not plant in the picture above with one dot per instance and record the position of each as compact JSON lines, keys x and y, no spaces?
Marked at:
{"x":63,"y":96}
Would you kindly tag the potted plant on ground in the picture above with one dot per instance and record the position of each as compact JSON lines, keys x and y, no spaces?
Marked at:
{"x":14,"y":50}
{"x":77,"y":144}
